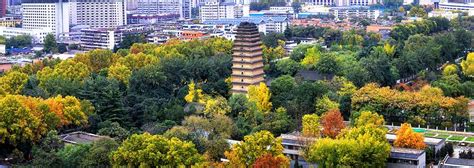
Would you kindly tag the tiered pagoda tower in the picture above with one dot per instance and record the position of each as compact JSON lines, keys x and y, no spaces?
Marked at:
{"x":247,"y":60}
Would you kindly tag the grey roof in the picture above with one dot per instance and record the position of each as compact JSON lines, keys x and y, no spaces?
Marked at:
{"x":80,"y":137}
{"x":428,"y":140}
{"x":459,"y":162}
{"x":237,"y":21}
{"x":405,"y":153}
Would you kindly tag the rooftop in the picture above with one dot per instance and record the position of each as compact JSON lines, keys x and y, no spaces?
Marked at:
{"x":459,"y":162}
{"x":80,"y":137}
{"x":428,"y":140}
{"x":405,"y":153}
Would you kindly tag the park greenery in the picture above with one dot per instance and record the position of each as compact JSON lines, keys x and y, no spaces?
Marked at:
{"x":170,"y":104}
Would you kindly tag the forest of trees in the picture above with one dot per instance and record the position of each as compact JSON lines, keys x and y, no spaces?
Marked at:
{"x":170,"y":104}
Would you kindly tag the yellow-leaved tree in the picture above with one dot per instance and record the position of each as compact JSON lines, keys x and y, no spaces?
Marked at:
{"x":195,"y":94}
{"x":311,"y":125}
{"x":468,"y":65}
{"x":261,"y":96}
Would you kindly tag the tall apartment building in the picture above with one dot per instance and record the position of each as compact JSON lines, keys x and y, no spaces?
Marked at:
{"x":3,"y":8}
{"x":341,"y":2}
{"x":101,"y":38}
{"x":98,"y":13}
{"x":220,"y":10}
{"x":179,"y":7}
{"x":247,"y":61}
{"x":53,"y":14}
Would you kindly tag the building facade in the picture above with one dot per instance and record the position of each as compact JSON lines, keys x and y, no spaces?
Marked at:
{"x":220,"y":10}
{"x":107,"y":38}
{"x":49,"y":14}
{"x":9,"y":22}
{"x":247,"y":61}
{"x":178,"y":7}
{"x":98,"y":13}
{"x":264,"y":24}
{"x":38,"y":35}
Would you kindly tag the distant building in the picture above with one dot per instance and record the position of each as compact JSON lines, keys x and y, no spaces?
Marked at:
{"x":186,"y":34}
{"x":354,"y":12}
{"x":220,"y":10}
{"x":264,"y":24}
{"x":98,"y":13}
{"x":150,"y":18}
{"x":52,"y":14}
{"x":247,"y":61}
{"x":466,"y":6}
{"x":3,"y":8}
{"x":38,"y":35}
{"x":107,"y":38}
{"x":177,"y":7}
{"x":156,"y":38}
{"x":9,"y":22}
{"x":443,"y":13}
{"x":341,"y":2}
{"x":406,"y":158}
{"x":377,"y":28}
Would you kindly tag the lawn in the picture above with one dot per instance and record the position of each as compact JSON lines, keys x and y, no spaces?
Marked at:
{"x":456,"y":138}
{"x":470,"y":139}
{"x":429,"y":134}
{"x":444,"y":136}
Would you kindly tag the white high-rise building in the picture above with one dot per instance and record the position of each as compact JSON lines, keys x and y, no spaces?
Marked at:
{"x":341,"y":2}
{"x":98,"y":13}
{"x":49,"y":14}
{"x":178,"y":7}
{"x":220,"y":10}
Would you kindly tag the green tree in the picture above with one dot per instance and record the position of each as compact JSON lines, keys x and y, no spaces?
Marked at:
{"x":50,"y":44}
{"x":99,"y":152}
{"x":145,"y":150}
{"x":325,"y":104}
{"x":114,"y":130}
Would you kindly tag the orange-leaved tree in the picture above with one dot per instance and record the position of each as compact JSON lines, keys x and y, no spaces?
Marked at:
{"x":268,"y":160}
{"x":333,"y":123}
{"x":407,"y":138}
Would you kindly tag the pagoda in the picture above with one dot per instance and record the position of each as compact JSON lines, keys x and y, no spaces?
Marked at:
{"x":247,"y":60}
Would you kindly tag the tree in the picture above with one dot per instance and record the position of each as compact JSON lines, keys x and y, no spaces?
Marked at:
{"x":268,"y":160}
{"x":311,"y":58}
{"x":120,"y":72}
{"x":62,"y":48}
{"x":217,"y":106}
{"x":253,"y":147}
{"x":145,"y":150}
{"x":327,"y":64}
{"x":407,"y":138}
{"x":13,"y":82}
{"x":114,"y":130}
{"x":332,"y":123}
{"x":325,"y":104}
{"x":288,"y":66}
{"x":195,"y":94}
{"x":417,"y":12}
{"x":50,"y":44}
{"x":450,"y":69}
{"x":130,"y":39}
{"x":261,"y":96}
{"x":310,"y":124}
{"x":468,"y":65}
{"x":98,"y":154}
{"x":367,"y":117}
